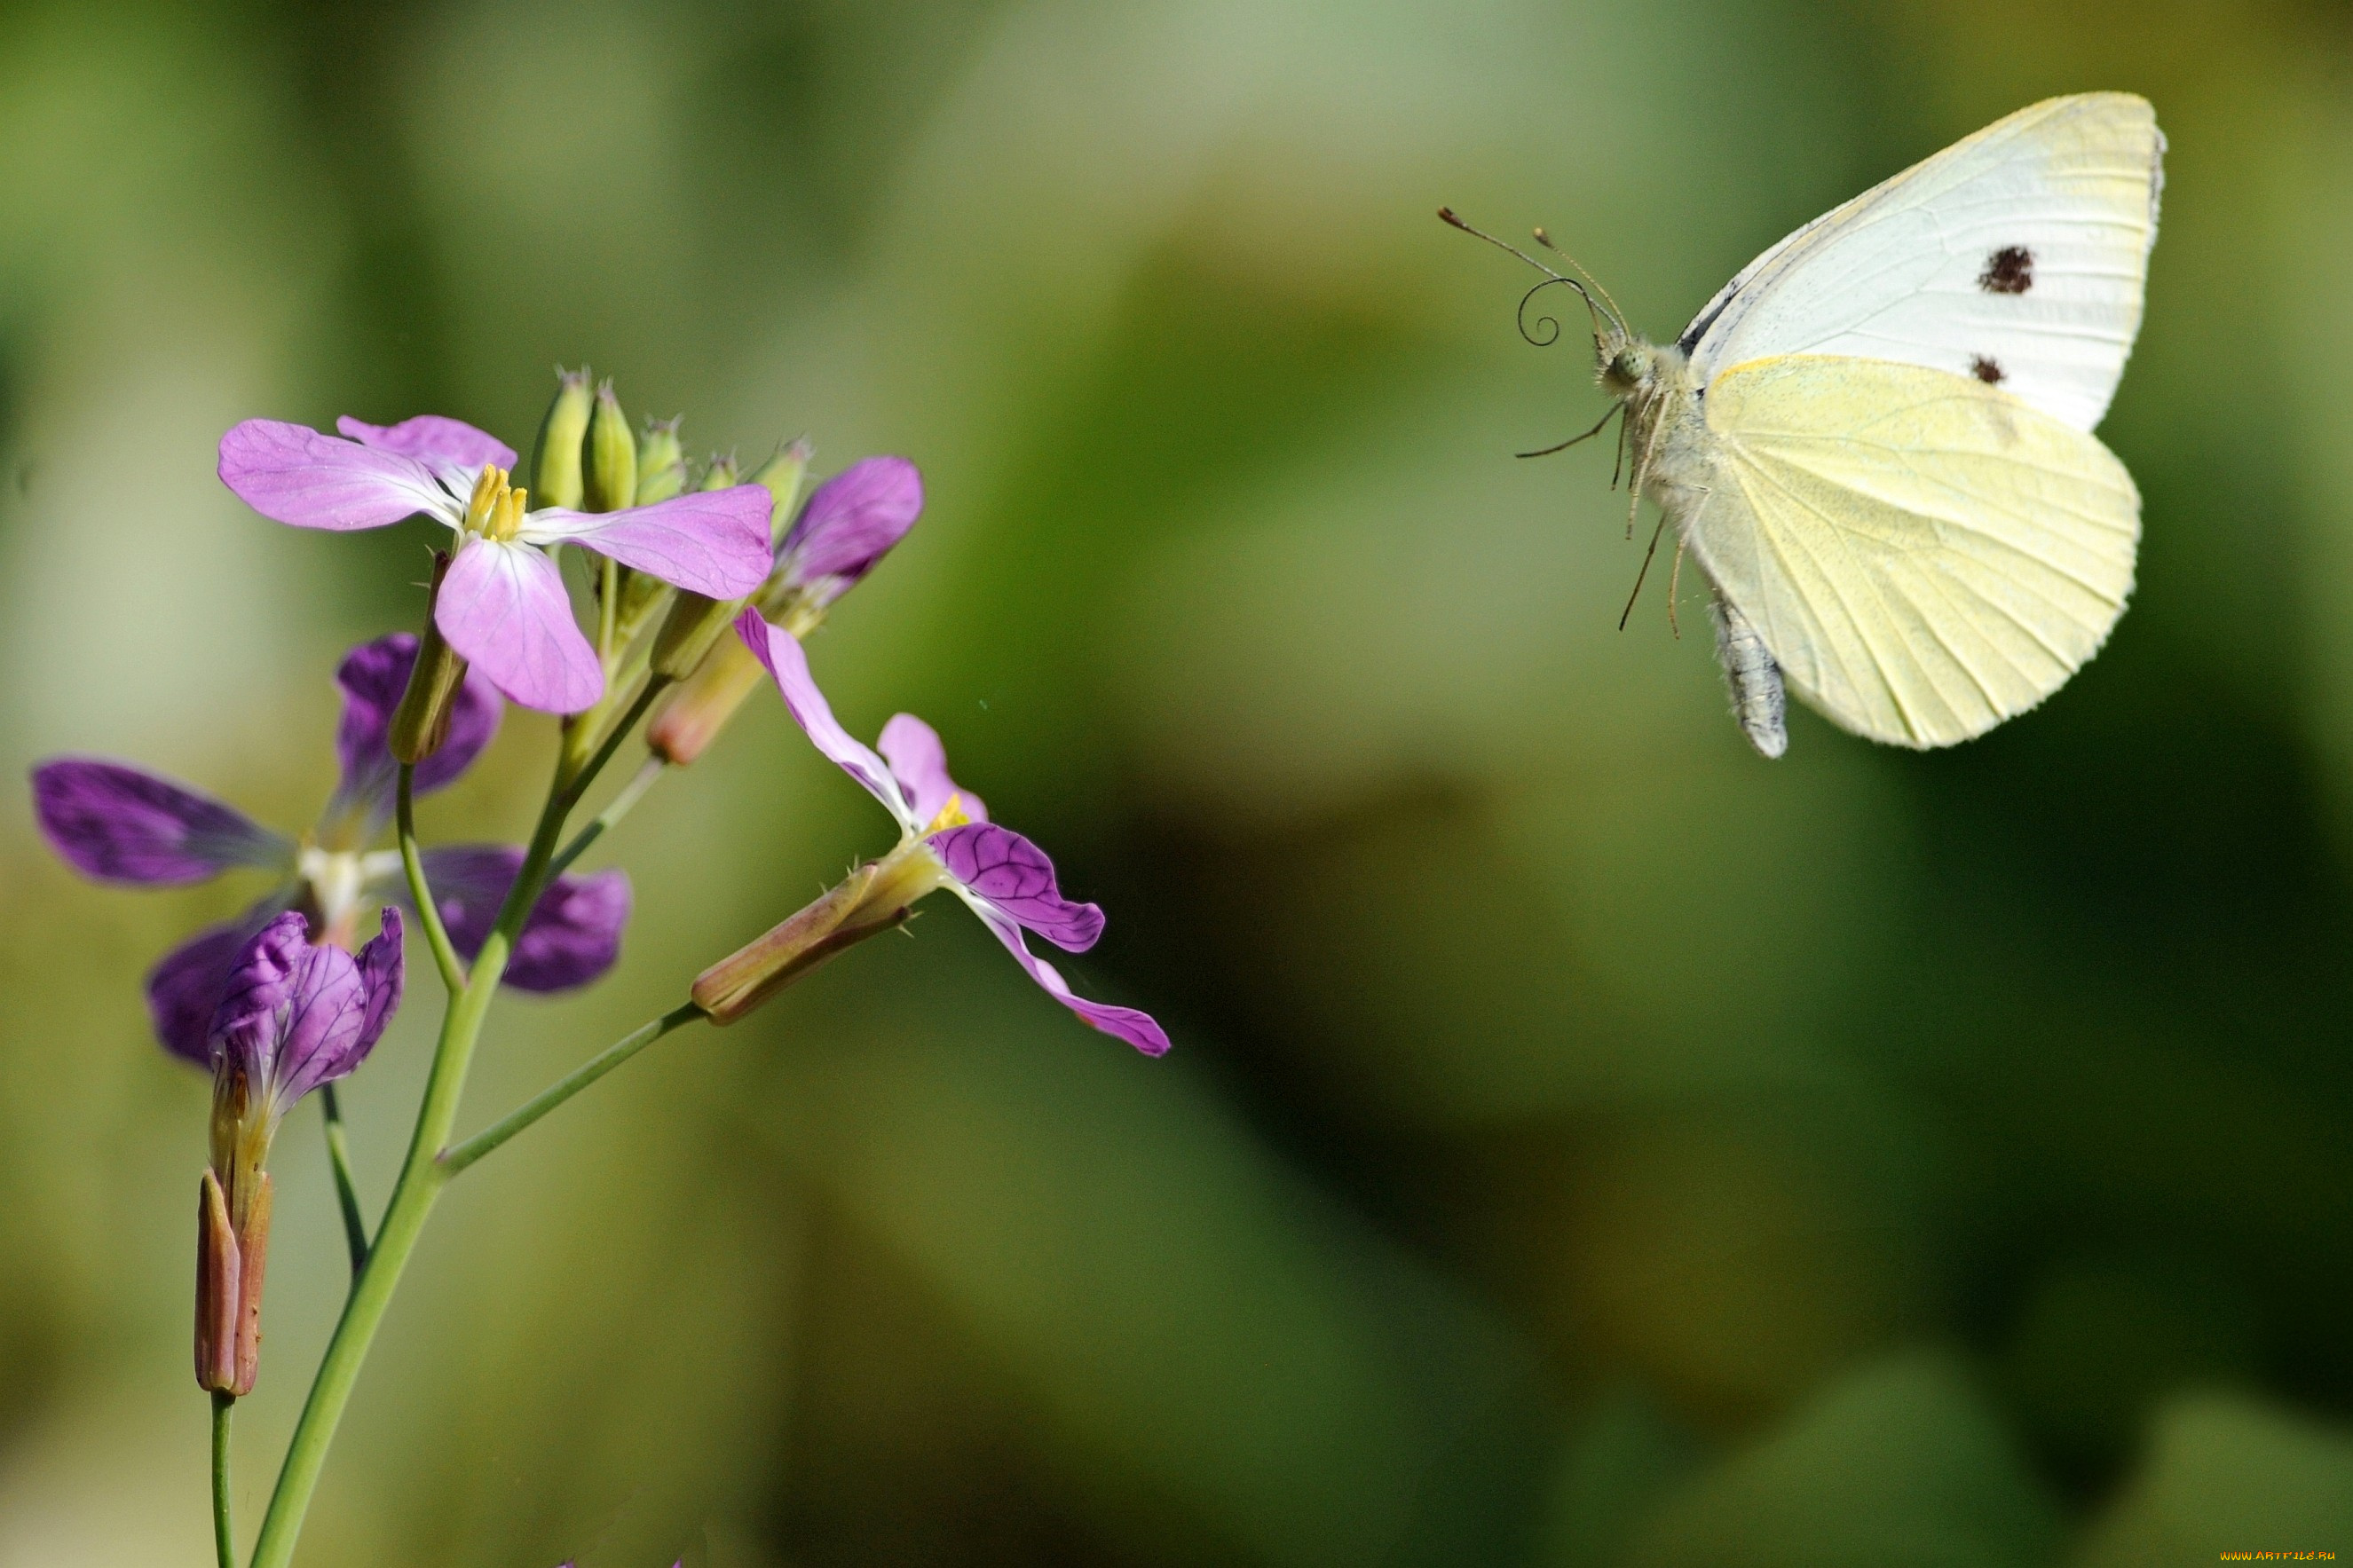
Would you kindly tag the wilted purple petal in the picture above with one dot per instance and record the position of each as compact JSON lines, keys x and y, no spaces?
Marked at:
{"x":373,"y":676}
{"x":119,"y":824}
{"x":337,"y":1010}
{"x":1015,"y":875}
{"x":384,"y":973}
{"x":250,"y":1021}
{"x":780,"y":651}
{"x":712,"y":541}
{"x":185,"y":987}
{"x":572,"y":936}
{"x":850,"y":522}
{"x":438,"y":442}
{"x":1137,"y":1028}
{"x":293,"y":475}
{"x":920,"y":765}
{"x":504,"y":610}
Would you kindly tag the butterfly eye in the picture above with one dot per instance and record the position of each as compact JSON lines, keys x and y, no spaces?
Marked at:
{"x":1625,"y":368}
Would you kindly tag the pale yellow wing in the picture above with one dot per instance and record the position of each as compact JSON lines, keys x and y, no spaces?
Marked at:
{"x":1925,"y":556}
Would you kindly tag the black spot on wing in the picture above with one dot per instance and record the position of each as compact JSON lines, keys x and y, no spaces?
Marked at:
{"x":1987,"y":369}
{"x":2010,"y":270}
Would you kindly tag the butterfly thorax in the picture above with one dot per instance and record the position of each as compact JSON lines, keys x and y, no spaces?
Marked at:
{"x":1661,"y":395}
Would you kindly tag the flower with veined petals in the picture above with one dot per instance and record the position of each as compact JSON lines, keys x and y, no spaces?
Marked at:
{"x":945,"y":841}
{"x":122,"y":825}
{"x":503,"y":607}
{"x":292,"y":1017}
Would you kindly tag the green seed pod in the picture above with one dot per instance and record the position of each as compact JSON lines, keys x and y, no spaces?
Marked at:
{"x":612,"y":456}
{"x":562,"y":434}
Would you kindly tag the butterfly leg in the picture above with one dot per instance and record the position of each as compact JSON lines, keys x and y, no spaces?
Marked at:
{"x":1675,"y":580}
{"x":1573,"y":440}
{"x":1645,"y":572}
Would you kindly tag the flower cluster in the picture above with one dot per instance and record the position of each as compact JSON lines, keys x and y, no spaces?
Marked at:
{"x":703,"y":584}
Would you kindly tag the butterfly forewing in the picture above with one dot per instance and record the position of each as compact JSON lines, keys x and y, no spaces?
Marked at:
{"x":2016,"y":257}
{"x":1925,"y":556}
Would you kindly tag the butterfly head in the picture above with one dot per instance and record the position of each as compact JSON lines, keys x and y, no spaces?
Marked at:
{"x":1625,"y":365}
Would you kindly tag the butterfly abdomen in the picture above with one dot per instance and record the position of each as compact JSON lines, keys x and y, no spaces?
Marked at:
{"x":1758,"y":701}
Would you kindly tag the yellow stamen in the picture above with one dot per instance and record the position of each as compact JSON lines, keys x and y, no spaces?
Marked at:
{"x":952,"y":815}
{"x":487,"y":488}
{"x":506,"y":517}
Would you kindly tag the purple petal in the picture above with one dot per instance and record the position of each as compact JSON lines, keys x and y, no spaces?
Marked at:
{"x":433,"y":440}
{"x":293,"y":475}
{"x":384,"y":973}
{"x":851,"y":523}
{"x":920,"y":765}
{"x":337,"y":1011}
{"x":712,"y":541}
{"x":1137,"y":1028}
{"x":185,"y":987}
{"x":119,"y":824}
{"x":780,"y":651}
{"x":250,"y":1021}
{"x":574,"y":932}
{"x":503,"y":608}
{"x":373,"y":676}
{"x":1015,"y":875}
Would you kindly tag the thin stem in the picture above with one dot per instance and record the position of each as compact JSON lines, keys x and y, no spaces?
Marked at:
{"x":224,"y":1531}
{"x":571,"y":791}
{"x":648,"y":773}
{"x":464,"y":1154}
{"x":608,"y":611}
{"x":422,"y":1177}
{"x":428,"y":913}
{"x":347,"y":1191}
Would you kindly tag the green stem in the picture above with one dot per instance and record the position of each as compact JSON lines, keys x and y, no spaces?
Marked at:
{"x":223,"y":1533}
{"x":609,"y":613}
{"x":422,"y":1177}
{"x":648,"y":772}
{"x":428,"y":913}
{"x":572,"y":1083}
{"x":347,"y":1192}
{"x":578,"y":785}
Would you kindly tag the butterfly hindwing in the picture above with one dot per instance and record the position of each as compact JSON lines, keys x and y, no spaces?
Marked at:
{"x":1924,"y":555}
{"x":2017,"y":257}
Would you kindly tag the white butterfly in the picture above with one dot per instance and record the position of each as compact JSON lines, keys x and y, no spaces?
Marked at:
{"x":1876,"y":441}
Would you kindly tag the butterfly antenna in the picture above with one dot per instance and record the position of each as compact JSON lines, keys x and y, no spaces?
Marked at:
{"x":1546,"y":240}
{"x":1549,"y":326}
{"x":1615,"y":410}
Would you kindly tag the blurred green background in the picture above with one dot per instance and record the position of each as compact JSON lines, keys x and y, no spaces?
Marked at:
{"x":1586,"y":1144}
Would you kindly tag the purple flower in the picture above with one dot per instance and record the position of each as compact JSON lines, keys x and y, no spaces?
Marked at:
{"x":120,"y":825}
{"x":947,"y":840}
{"x":502,"y":605}
{"x":292,"y":1016}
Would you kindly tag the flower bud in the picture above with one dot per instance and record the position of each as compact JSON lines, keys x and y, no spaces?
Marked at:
{"x":876,"y":898}
{"x":694,"y":713}
{"x":232,"y":1256}
{"x":612,"y":455}
{"x":661,"y":462}
{"x":555,"y":479}
{"x":421,"y":722}
{"x":782,"y":475}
